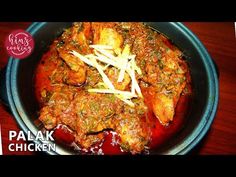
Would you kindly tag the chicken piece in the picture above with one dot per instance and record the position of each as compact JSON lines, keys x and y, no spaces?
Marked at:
{"x":73,"y":62}
{"x":167,"y":75}
{"x":80,"y":35}
{"x":109,"y":36}
{"x":77,"y":74}
{"x":98,"y":112}
{"x":81,"y":32}
{"x":134,"y":132}
{"x":163,"y":108}
{"x":47,"y":118}
{"x":95,"y":111}
{"x":133,"y":128}
{"x":94,"y":114}
{"x":75,"y":78}
{"x":97,"y":27}
{"x":64,"y":107}
{"x":59,"y":102}
{"x":78,"y":40}
{"x":113,"y":75}
{"x":105,"y":34}
{"x":165,"y":101}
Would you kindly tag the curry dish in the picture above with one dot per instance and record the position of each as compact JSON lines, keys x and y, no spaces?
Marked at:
{"x":99,"y":77}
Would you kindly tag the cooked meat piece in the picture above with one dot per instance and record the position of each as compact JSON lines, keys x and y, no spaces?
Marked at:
{"x":58,"y":104}
{"x":113,"y":76}
{"x":80,"y":36}
{"x":163,"y":70}
{"x":163,"y":108}
{"x":95,"y":111}
{"x":73,"y":62}
{"x":77,"y":73}
{"x":66,"y":106}
{"x":134,"y":133}
{"x":110,"y":37}
{"x":133,"y":128}
{"x":97,"y":28}
{"x":171,"y":82}
{"x":48,"y":118}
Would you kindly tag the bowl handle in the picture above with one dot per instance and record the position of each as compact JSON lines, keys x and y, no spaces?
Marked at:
{"x":3,"y":89}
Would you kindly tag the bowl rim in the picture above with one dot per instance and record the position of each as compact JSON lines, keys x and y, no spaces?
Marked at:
{"x":183,"y":148}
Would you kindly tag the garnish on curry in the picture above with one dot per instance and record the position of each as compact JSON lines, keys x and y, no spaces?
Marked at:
{"x":99,"y":77}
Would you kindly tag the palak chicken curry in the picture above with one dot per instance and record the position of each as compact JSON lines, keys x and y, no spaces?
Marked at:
{"x":113,"y":77}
